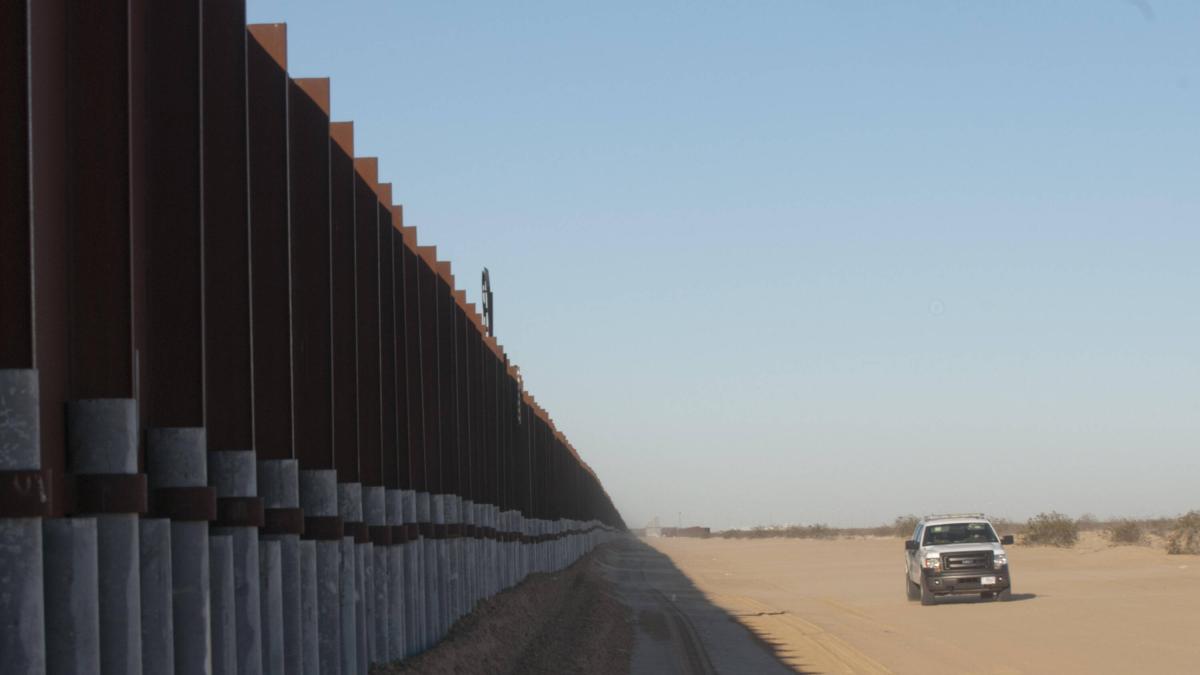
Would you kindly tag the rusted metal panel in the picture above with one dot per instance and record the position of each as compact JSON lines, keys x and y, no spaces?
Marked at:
{"x":48,"y":140}
{"x":312,"y":356}
{"x":414,"y":369}
{"x":389,"y":425}
{"x":345,"y":323}
{"x":272,"y":38}
{"x":173,"y":360}
{"x":268,"y":84}
{"x":478,"y":413}
{"x":430,"y":349}
{"x":366,"y":223}
{"x":533,"y":467}
{"x":228,"y":342}
{"x":400,"y":352}
{"x":491,"y":428}
{"x":103,"y":182}
{"x":466,"y":363}
{"x":16,"y":229}
{"x":448,"y":407}
{"x":505,"y":421}
{"x":462,"y":388}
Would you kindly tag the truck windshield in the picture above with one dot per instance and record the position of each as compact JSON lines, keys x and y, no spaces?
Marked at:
{"x":959,"y":533}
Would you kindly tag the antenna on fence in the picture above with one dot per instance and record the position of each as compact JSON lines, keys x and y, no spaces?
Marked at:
{"x":489,"y":319}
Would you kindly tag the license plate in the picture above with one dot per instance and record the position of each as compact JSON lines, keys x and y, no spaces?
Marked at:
{"x":987,"y":580}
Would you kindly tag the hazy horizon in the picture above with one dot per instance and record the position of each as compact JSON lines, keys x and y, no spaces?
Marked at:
{"x":813,"y":262}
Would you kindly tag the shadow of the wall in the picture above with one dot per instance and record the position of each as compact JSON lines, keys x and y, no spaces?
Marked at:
{"x":678,"y":629}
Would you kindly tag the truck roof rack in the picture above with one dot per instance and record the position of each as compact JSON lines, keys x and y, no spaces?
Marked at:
{"x":939,"y":516}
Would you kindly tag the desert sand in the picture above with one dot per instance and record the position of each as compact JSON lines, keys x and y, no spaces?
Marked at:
{"x":838,"y":606}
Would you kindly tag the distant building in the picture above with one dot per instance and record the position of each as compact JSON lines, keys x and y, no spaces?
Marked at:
{"x":698,"y":532}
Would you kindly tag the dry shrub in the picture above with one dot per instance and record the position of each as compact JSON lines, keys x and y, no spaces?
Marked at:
{"x":903,"y":526}
{"x":1051,"y":529}
{"x":818,"y":531}
{"x":1125,"y":531}
{"x":873,"y":531}
{"x":1185,"y":538}
{"x":1005,"y":526}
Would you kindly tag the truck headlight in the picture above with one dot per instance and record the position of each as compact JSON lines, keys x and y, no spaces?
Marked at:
{"x":932,"y":562}
{"x":999,"y":560}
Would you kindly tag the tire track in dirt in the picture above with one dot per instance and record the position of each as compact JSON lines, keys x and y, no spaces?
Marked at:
{"x":816,"y":648}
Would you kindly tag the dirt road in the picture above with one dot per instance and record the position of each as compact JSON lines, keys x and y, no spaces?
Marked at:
{"x":839,"y":607}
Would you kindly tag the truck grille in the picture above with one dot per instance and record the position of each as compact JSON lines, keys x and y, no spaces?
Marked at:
{"x":972,"y":560}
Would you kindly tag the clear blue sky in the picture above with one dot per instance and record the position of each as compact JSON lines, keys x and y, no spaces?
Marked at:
{"x":813,"y":261}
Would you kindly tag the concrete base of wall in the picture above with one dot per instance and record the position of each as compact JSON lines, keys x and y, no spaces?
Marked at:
{"x":309,"y":638}
{"x":329,"y":606}
{"x":319,"y":498}
{"x":347,"y":609}
{"x":414,"y":598}
{"x":120,"y":585}
{"x":22,"y":609}
{"x":177,"y":457}
{"x":234,"y":474}
{"x":375,"y":515}
{"x":279,"y":486}
{"x":382,"y":624}
{"x":72,"y":595}
{"x":22,"y":613}
{"x":270,"y":585}
{"x":395,"y":601}
{"x":158,"y":637}
{"x":222,"y":610}
{"x":362,"y":553}
{"x":394,"y":507}
{"x":102,"y":438}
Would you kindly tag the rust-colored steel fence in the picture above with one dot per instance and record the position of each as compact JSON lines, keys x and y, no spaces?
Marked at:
{"x":247,"y":423}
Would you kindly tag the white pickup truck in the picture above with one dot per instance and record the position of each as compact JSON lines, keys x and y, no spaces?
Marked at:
{"x":956,"y":554}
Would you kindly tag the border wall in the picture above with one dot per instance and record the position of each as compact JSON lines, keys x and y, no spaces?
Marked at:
{"x":248,"y":424}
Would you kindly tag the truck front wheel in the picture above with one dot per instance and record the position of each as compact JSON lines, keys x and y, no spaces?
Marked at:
{"x":926,"y":596}
{"x":913,"y":590}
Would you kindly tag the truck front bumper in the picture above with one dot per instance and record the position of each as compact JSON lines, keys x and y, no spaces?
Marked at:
{"x":966,"y":582}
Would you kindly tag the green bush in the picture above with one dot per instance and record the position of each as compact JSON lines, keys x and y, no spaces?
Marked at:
{"x":1125,"y":532}
{"x":1051,"y":529}
{"x":1185,"y":538}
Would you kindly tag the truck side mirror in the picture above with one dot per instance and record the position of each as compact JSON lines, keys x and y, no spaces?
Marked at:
{"x":1006,"y":540}
{"x":910,"y":545}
